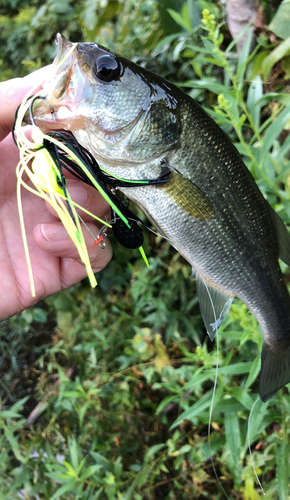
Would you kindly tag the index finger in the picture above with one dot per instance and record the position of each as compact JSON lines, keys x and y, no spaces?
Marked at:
{"x":11,"y":94}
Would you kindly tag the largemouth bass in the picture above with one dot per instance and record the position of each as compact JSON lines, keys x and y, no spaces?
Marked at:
{"x":137,"y":124}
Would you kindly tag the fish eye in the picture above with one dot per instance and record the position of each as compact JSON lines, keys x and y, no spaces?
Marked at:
{"x":107,"y":68}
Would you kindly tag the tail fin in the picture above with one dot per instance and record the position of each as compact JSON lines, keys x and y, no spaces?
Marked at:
{"x":275,"y":371}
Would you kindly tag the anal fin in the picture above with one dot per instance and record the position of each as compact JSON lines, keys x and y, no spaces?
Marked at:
{"x":213,"y":303}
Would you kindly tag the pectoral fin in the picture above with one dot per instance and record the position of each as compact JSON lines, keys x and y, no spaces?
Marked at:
{"x":188,"y":196}
{"x":213,"y":303}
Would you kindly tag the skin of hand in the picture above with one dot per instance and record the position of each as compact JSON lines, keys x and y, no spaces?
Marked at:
{"x":55,"y":260}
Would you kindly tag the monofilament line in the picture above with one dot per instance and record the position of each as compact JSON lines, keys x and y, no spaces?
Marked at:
{"x":214,"y":387}
{"x":250,"y":451}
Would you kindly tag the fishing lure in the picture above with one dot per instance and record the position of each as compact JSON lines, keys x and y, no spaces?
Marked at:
{"x":44,"y":159}
{"x":124,"y":222}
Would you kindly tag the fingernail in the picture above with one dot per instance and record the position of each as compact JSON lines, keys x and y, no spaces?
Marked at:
{"x":78,"y":194}
{"x":53,"y":232}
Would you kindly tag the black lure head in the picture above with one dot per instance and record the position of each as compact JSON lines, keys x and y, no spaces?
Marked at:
{"x":128,"y":237}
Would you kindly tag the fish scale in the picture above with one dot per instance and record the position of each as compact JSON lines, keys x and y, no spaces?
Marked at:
{"x":136,"y":124}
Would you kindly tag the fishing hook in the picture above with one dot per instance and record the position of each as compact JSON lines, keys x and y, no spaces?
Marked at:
{"x":31,"y":105}
{"x":52,"y":113}
{"x":102,"y":234}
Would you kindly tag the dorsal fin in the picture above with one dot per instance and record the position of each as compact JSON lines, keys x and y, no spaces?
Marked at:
{"x":282,"y":236}
{"x":213,"y":303}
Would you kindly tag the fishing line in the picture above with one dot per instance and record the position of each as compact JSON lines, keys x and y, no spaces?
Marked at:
{"x":212,"y":403}
{"x":250,"y":451}
{"x":214,"y":386}
{"x":87,"y":228}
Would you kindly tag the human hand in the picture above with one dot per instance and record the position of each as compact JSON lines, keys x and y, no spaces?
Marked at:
{"x":55,"y":260}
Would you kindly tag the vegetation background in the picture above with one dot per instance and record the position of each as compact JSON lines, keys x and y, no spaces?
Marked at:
{"x":106,"y":393}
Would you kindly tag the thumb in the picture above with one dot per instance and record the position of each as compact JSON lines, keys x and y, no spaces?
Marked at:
{"x":11,"y":94}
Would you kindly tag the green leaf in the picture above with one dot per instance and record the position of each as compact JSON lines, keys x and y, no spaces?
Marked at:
{"x":193,"y":13}
{"x":210,"y":6}
{"x":70,"y":470}
{"x":100,"y":459}
{"x":92,"y":469}
{"x":179,"y":19}
{"x":282,"y":475}
{"x":242,"y":396}
{"x":61,"y":478}
{"x":229,"y":48}
{"x":63,"y":302}
{"x":233,"y":440}
{"x":143,"y":475}
{"x":9,"y":414}
{"x":243,"y":58}
{"x":228,"y":405}
{"x":193,"y":411}
{"x":199,"y":378}
{"x":274,"y":96}
{"x":236,"y":368}
{"x":215,"y":61}
{"x":14,"y":443}
{"x":184,"y":12}
{"x":282,"y":50}
{"x":81,"y":464}
{"x":151,"y":452}
{"x":165,"y":402}
{"x":73,"y":448}
{"x":83,"y":410}
{"x":255,"y":93}
{"x":272,"y":133}
{"x":39,"y":315}
{"x":89,"y":14}
{"x":255,"y":66}
{"x":71,"y":394}
{"x":186,"y":448}
{"x":198,"y":407}
{"x":63,"y":489}
{"x":257,"y":416}
{"x":209,"y":84}
{"x":281,"y":21}
{"x":254,"y":371}
{"x":132,"y":488}
{"x":19,"y":404}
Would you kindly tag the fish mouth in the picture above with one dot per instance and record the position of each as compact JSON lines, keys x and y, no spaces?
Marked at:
{"x":62,"y":92}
